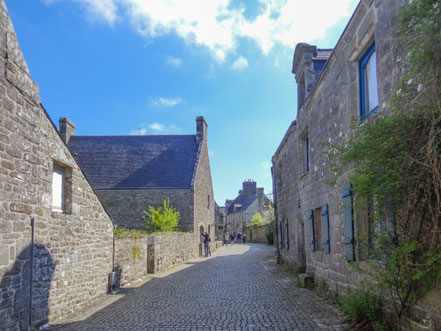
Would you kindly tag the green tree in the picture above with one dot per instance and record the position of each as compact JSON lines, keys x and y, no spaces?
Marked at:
{"x":161,"y":219}
{"x":257,"y":220}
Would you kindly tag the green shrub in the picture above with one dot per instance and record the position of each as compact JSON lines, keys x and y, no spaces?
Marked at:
{"x":256,"y":220}
{"x":269,"y":235}
{"x":126,"y":233}
{"x":162,"y":219}
{"x":362,"y":305}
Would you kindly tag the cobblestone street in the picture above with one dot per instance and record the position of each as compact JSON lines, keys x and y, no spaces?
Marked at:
{"x":239,"y":288}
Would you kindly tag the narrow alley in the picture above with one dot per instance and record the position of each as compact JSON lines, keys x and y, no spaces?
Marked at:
{"x":239,"y":288}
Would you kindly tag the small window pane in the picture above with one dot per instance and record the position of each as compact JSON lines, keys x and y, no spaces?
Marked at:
{"x":371,"y":82}
{"x":58,"y":188}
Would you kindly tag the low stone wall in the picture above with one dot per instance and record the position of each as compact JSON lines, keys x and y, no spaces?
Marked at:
{"x":130,"y":259}
{"x":164,"y":251}
{"x":216,"y":244}
{"x":256,"y":234}
{"x":135,"y":257}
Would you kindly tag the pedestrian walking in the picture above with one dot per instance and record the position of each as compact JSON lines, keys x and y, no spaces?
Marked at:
{"x":226,"y":239}
{"x":231,"y":239}
{"x":239,"y":237}
{"x":206,"y":243}
{"x":244,"y":238}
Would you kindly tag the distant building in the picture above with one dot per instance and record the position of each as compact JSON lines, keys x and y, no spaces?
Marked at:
{"x":251,"y":200}
{"x":131,"y":173}
{"x":219,"y":216}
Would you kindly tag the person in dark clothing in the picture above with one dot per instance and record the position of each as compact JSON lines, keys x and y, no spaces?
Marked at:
{"x":244,"y":238}
{"x":239,"y":237}
{"x":207,"y":240}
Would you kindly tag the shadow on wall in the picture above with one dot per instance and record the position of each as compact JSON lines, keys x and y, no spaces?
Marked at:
{"x":15,"y":290}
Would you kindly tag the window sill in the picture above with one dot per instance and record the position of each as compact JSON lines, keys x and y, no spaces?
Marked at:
{"x":363,"y":118}
{"x":57,"y":213}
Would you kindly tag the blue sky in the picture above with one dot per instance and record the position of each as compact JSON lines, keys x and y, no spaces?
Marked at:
{"x":117,"y":67}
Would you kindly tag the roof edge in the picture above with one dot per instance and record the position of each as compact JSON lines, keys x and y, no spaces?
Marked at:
{"x":196,"y":164}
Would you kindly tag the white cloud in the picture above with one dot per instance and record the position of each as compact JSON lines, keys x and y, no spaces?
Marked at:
{"x":165,"y":102}
{"x":173,"y":61}
{"x":138,"y":132}
{"x":157,"y":127}
{"x":240,"y":64}
{"x":106,"y":10}
{"x":217,"y":26}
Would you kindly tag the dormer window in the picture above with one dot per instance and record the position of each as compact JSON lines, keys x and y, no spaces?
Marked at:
{"x":368,"y":83}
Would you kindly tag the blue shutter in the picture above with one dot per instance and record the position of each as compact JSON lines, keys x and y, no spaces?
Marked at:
{"x":311,"y":229}
{"x":348,"y":223}
{"x":325,"y":229}
{"x":287,"y":234}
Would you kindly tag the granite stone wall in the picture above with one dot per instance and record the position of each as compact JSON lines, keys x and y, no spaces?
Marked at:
{"x":126,"y":206}
{"x":73,"y":247}
{"x":167,"y":250}
{"x":256,"y":234}
{"x":130,"y":259}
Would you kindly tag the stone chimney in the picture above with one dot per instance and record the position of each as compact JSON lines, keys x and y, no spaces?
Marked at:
{"x":201,"y":129}
{"x":308,"y":62}
{"x":249,"y":188}
{"x":66,"y":129}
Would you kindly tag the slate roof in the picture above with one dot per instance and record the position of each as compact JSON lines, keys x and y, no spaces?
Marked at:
{"x":247,"y":202}
{"x":136,"y":162}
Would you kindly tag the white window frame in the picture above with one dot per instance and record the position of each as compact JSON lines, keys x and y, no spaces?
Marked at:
{"x":58,"y":188}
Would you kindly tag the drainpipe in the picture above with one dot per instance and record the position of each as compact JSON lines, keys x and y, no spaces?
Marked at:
{"x":32,"y":270}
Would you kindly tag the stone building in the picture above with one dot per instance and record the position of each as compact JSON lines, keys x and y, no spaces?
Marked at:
{"x":40,"y":180}
{"x":130,"y":173}
{"x":316,"y":224}
{"x":219,"y":218}
{"x":250,"y":200}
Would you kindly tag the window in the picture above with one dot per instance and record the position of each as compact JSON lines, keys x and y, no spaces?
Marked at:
{"x":318,"y":229}
{"x":61,"y":188}
{"x":208,"y":206}
{"x":307,"y":153}
{"x":304,"y":147}
{"x":368,"y":83}
{"x":58,"y":188}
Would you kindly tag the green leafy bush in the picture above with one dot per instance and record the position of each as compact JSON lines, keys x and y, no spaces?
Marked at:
{"x":161,"y":219}
{"x":269,"y":235}
{"x":256,"y":220}
{"x":361,"y":305}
